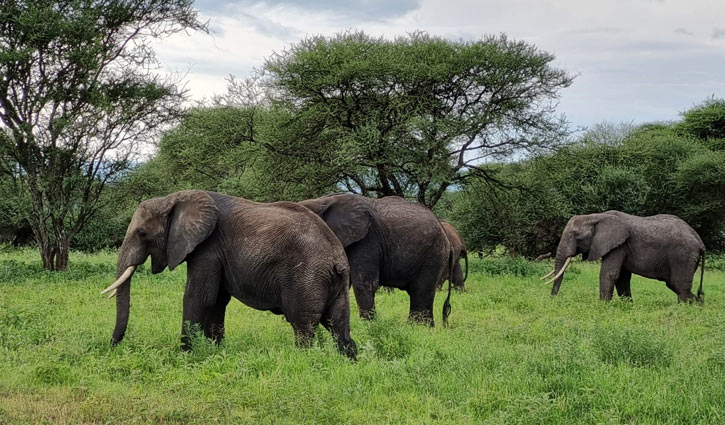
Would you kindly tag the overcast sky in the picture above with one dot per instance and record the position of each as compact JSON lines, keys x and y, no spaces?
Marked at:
{"x":636,"y":60}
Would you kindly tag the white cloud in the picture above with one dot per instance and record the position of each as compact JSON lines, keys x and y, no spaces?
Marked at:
{"x":638,"y":61}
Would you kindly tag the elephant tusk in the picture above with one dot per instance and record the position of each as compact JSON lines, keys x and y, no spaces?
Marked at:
{"x":113,"y":293}
{"x":121,"y":280}
{"x":561,"y":272}
{"x":548,"y":274}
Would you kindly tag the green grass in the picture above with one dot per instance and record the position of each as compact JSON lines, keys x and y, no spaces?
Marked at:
{"x":511,"y":355}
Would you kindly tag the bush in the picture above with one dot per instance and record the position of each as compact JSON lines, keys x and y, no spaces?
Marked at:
{"x":516,"y":266}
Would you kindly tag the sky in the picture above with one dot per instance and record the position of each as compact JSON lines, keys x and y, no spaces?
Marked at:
{"x":635,"y":61}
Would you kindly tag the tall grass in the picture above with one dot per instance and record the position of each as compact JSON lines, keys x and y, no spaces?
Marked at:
{"x":511,"y":355}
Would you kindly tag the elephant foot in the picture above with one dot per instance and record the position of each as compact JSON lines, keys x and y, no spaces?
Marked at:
{"x":348,"y":348}
{"x":421,"y":317}
{"x":367,"y":314}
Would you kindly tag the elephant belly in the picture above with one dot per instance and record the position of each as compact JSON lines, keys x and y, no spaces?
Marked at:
{"x":645,"y":266}
{"x":257,"y":303}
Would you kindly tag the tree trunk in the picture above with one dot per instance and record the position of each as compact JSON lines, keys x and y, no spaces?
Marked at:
{"x":46,"y":248}
{"x":62,"y":243}
{"x":47,"y":254}
{"x":61,"y":255}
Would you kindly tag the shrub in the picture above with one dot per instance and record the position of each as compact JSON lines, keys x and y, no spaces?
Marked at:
{"x":514,"y":266}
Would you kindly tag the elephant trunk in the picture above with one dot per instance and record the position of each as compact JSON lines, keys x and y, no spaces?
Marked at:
{"x":123,"y":303}
{"x":560,"y":265}
{"x":122,"y":290}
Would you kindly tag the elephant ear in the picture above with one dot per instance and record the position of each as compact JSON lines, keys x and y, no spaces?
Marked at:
{"x":192,"y":219}
{"x":348,"y":219}
{"x":609,"y":233}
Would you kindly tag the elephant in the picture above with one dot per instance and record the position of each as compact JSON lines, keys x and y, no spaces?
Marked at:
{"x":662,"y":247}
{"x":389,"y":242}
{"x":278,"y":257}
{"x":459,"y":251}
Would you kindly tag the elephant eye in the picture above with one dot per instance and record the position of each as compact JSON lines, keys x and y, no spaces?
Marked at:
{"x":142,"y":233}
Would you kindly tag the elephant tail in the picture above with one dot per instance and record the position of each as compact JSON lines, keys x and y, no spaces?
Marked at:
{"x":342,"y":273}
{"x":700,"y":294}
{"x":447,"y":303}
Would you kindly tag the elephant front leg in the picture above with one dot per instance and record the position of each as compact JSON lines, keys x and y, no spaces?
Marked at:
{"x":213,"y":319}
{"x":204,"y":305}
{"x":365,"y":298}
{"x":609,"y":274}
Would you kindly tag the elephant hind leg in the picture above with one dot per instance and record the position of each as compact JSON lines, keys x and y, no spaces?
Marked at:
{"x":304,"y":323}
{"x":683,"y":291}
{"x":422,"y":293}
{"x":304,"y":334}
{"x":336,"y":320}
{"x":458,"y":281}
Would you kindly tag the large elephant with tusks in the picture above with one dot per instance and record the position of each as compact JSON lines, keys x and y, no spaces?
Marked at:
{"x":662,"y":247}
{"x":278,"y":257}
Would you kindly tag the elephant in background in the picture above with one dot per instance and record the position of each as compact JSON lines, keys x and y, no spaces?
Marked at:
{"x":278,"y":257}
{"x":662,"y":247}
{"x":390,"y":242}
{"x":459,"y":251}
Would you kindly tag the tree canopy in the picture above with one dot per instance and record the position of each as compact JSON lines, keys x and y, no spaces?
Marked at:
{"x":414,"y":115}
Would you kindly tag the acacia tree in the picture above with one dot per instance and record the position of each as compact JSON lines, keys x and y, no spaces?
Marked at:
{"x":414,"y":115}
{"x":78,"y":95}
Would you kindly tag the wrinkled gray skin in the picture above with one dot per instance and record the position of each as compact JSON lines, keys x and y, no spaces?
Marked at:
{"x":459,"y":251}
{"x":661,"y":247}
{"x":277,"y":257}
{"x":390,"y":242}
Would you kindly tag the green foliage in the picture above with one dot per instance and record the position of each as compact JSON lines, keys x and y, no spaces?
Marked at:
{"x":14,"y":208}
{"x":706,"y":122}
{"x":225,"y":149}
{"x":209,"y":146}
{"x":410,"y":116}
{"x":512,"y":354}
{"x":512,"y":266}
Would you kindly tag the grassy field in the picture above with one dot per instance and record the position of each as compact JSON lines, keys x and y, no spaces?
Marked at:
{"x":511,"y":355}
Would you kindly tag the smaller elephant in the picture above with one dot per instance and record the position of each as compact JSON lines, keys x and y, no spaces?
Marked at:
{"x":662,"y":247}
{"x":459,"y":251}
{"x":278,"y":257}
{"x":389,"y":242}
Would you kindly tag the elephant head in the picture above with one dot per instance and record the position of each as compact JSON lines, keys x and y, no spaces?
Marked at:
{"x":348,"y":216}
{"x":167,"y":229}
{"x":593,"y":236}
